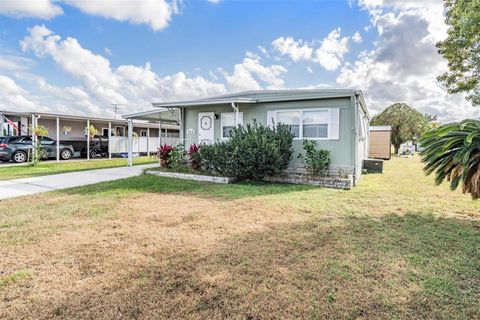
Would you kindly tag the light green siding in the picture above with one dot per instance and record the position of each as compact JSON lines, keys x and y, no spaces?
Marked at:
{"x":342,"y":150}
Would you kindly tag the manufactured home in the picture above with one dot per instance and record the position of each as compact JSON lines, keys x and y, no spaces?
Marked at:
{"x":337,"y":119}
{"x":73,"y":130}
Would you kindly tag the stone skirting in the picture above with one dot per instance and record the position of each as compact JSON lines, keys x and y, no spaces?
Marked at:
{"x":338,"y":172}
{"x":190,"y":176}
{"x":345,"y":183}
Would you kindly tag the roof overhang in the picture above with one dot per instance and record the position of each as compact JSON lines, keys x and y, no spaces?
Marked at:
{"x":170,"y":115}
{"x":202,"y":102}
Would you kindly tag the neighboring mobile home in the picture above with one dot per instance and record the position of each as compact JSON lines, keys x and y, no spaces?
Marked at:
{"x":72,"y":129}
{"x":337,"y":119}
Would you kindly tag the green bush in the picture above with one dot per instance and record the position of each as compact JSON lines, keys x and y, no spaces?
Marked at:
{"x":178,"y":159}
{"x":252,"y":152}
{"x":317,"y":161}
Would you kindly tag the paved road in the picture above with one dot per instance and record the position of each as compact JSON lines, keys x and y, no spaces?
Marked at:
{"x":28,"y":186}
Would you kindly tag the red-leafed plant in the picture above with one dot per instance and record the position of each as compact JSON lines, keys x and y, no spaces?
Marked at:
{"x":194,"y":158}
{"x":163,"y":154}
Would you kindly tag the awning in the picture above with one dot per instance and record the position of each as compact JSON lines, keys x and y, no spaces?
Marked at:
{"x":170,"y":115}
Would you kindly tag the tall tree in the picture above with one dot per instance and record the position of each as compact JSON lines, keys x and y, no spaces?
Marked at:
{"x":405,"y":121}
{"x":462,"y":48}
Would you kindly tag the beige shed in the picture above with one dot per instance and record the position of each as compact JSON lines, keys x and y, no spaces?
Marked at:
{"x":380,"y":142}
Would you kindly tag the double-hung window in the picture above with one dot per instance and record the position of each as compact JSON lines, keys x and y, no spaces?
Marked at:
{"x":292,"y":119}
{"x":315,"y":124}
{"x":228,"y":122}
{"x":309,"y":123}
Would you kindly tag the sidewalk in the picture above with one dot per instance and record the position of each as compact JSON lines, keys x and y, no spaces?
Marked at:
{"x":28,"y":186}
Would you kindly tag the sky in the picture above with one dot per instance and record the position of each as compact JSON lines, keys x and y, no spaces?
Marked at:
{"x":83,"y":57}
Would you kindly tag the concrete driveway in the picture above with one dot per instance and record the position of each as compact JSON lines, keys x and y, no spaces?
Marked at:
{"x":28,"y":186}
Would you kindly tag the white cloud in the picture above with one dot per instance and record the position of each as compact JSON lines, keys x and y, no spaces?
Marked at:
{"x":156,"y":14}
{"x":101,"y":84}
{"x":251,"y":75}
{"x":214,"y":1}
{"x":357,"y":37}
{"x":331,"y":52}
{"x":296,"y":50}
{"x":14,"y":63}
{"x":309,"y":70}
{"x":12,"y":95}
{"x":248,"y":74}
{"x":404,"y":64}
{"x":44,"y":9}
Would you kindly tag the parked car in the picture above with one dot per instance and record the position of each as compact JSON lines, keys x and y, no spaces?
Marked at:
{"x":17,"y":148}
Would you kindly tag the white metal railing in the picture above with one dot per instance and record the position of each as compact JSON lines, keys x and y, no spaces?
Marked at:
{"x":140,"y":144}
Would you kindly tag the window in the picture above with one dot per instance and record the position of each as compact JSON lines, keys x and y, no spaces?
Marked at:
{"x":291,"y":118}
{"x":315,"y":124}
{"x":46,"y":140}
{"x":309,"y":123}
{"x":120,"y":131}
{"x":228,"y":122}
{"x":104,"y":132}
{"x":26,"y":140}
{"x":143,"y":133}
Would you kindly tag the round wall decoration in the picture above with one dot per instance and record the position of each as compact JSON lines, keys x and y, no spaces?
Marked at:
{"x":206,"y":122}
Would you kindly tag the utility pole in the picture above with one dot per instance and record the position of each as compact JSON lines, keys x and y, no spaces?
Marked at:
{"x":116,"y":106}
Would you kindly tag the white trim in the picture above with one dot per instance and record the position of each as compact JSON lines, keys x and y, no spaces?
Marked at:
{"x":143,"y":130}
{"x":300,"y":129}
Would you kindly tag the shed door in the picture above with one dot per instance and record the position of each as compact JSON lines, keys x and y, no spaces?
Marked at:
{"x":206,"y":127}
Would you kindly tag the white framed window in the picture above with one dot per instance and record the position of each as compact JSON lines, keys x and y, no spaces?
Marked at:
{"x":316,"y":124}
{"x":104,"y":132}
{"x":143,"y":133}
{"x":228,"y":123}
{"x":291,"y":118}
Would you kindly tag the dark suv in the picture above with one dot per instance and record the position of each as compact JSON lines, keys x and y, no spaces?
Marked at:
{"x":17,"y":148}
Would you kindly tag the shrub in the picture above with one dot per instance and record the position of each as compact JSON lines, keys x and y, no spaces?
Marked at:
{"x":252,"y":152}
{"x":317,"y":161}
{"x":194,"y":157}
{"x":177,"y":159}
{"x":163,"y":154}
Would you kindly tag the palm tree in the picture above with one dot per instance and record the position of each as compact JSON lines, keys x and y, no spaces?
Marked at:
{"x":452,"y":151}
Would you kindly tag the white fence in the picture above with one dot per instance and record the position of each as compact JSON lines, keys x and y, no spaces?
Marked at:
{"x":140,"y":144}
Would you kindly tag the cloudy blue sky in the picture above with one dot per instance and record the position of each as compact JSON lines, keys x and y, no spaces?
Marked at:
{"x":80,"y":57}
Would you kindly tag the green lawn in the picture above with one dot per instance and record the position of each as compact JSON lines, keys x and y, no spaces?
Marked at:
{"x":394,"y":247}
{"x":46,"y":168}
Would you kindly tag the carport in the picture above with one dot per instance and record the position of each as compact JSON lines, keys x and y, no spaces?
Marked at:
{"x":73,"y":129}
{"x":168,"y":115}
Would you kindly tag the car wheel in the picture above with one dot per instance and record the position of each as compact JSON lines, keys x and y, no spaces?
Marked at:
{"x":19,"y":157}
{"x":66,"y":154}
{"x":93,"y":154}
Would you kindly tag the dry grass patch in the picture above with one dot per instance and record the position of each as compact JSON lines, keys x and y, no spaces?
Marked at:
{"x":156,"y":248}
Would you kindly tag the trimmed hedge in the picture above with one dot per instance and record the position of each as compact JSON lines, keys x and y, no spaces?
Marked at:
{"x":252,"y":152}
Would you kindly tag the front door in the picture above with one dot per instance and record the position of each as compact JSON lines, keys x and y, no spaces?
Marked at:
{"x":206,"y":127}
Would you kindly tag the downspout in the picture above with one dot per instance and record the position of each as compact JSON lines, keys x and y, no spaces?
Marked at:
{"x":235,"y":108}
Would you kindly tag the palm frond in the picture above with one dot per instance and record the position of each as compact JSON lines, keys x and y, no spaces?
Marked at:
{"x":452,"y":152}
